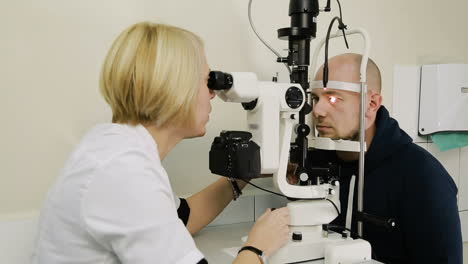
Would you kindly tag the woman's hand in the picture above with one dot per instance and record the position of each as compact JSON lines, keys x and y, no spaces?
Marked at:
{"x":271,"y":231}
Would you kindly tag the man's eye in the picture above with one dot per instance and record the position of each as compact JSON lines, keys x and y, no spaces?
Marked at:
{"x":333,"y":99}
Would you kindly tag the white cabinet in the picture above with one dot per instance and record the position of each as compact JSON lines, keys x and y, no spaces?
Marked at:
{"x":17,"y":239}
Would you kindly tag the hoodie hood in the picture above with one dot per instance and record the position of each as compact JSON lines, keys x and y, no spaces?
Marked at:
{"x":387,"y":140}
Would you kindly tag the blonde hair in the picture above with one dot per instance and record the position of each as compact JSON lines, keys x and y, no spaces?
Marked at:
{"x":152,"y":73}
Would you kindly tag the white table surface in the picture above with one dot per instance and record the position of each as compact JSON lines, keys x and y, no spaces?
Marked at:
{"x":215,"y":242}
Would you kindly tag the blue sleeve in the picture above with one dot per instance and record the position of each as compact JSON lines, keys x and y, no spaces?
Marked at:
{"x":430,"y":220}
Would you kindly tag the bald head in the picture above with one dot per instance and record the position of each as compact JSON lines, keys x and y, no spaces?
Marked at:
{"x":346,"y":68}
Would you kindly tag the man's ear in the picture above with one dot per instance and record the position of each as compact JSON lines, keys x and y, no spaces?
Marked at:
{"x":374,"y":103}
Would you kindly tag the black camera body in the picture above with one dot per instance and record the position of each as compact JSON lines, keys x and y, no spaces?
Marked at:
{"x":234,"y":155}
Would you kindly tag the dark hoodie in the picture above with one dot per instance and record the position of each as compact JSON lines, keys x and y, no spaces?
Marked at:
{"x":403,"y":181}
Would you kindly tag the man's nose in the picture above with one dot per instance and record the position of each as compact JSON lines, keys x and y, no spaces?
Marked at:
{"x":319,"y":109}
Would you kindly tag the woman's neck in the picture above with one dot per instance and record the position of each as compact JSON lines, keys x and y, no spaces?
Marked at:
{"x":166,"y":138}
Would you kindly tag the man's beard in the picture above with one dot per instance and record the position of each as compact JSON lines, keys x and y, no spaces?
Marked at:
{"x":354,"y":136}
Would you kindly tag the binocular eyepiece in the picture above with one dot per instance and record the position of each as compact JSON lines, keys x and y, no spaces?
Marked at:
{"x":220,"y":81}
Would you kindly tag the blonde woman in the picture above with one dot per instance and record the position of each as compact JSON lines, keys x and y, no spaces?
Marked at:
{"x":113,"y":202}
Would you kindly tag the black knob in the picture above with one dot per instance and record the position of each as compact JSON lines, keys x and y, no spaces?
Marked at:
{"x":294,"y":97}
{"x":303,"y":129}
{"x":297,"y":236}
{"x":282,"y":59}
{"x":250,"y":105}
{"x":391,"y":223}
{"x":344,"y":234}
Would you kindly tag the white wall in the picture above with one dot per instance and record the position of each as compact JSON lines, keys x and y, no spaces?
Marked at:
{"x":51,"y":52}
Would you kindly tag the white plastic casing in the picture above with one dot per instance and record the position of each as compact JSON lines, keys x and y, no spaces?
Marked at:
{"x":330,"y":144}
{"x":243,"y":90}
{"x":348,"y":252}
{"x":303,"y":213}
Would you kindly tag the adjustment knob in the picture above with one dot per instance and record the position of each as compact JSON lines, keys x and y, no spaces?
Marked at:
{"x":294,"y":97}
{"x":250,"y":105}
{"x":344,"y":234}
{"x":297,"y":236}
{"x":303,"y":177}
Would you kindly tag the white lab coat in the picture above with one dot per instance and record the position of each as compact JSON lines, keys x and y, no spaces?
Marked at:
{"x":113,"y":203}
